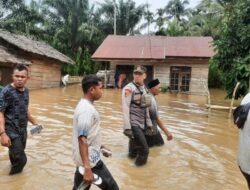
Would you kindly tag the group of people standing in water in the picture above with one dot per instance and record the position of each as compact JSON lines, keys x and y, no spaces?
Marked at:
{"x":141,"y":121}
{"x":141,"y":125}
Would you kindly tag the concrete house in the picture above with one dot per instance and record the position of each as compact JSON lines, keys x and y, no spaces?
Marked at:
{"x":180,"y":63}
{"x":44,"y":61}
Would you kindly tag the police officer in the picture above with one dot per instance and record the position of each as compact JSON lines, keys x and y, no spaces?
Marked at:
{"x":136,"y":115}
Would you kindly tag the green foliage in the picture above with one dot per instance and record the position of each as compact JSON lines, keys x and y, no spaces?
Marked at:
{"x":128,"y":15}
{"x":215,"y":75}
{"x":22,"y":19}
{"x":205,"y":19}
{"x":164,"y":89}
{"x":233,"y":47}
{"x":177,"y":9}
{"x":175,"y":29}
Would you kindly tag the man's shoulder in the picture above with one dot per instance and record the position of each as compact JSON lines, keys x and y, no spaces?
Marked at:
{"x":84,"y":106}
{"x":6,"y":89}
{"x":130,"y":86}
{"x":246,"y":99}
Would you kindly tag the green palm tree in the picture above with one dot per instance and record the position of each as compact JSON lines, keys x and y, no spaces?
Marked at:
{"x":205,"y":19}
{"x":175,"y":28}
{"x":17,"y":17}
{"x":160,"y":20}
{"x":71,"y":23}
{"x":71,"y":28}
{"x":128,"y":15}
{"x":177,"y":9}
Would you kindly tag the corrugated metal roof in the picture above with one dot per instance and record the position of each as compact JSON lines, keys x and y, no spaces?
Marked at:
{"x":153,"y":47}
{"x":33,"y":46}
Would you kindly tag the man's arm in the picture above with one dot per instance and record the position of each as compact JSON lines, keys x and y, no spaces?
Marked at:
{"x":31,"y":119}
{"x":126,"y":101}
{"x":164,"y":129}
{"x":5,"y":140}
{"x":88,"y":176}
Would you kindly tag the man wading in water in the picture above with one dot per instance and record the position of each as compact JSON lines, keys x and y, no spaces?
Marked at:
{"x":156,"y":139}
{"x":14,"y":117}
{"x":136,"y":116}
{"x":87,"y":146}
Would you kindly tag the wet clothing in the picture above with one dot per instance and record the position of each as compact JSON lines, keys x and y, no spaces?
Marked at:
{"x":133,"y":113}
{"x":14,"y":105}
{"x":244,"y":142}
{"x":17,"y":154}
{"x":1,"y":88}
{"x":156,"y":139}
{"x":137,"y":119}
{"x":108,"y":182}
{"x":86,"y":123}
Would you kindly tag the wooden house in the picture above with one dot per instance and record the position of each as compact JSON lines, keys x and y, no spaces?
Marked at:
{"x":180,"y":63}
{"x":44,"y":61}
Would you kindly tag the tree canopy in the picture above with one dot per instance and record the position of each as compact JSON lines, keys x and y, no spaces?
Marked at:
{"x":76,"y":28}
{"x":233,"y":46}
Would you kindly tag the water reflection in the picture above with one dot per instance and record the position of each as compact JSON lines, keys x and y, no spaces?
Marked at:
{"x":201,"y":156}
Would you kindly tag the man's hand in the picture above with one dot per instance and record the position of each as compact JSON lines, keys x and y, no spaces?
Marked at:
{"x":88,"y":176}
{"x":169,"y":136}
{"x":5,"y":140}
{"x":128,"y":133}
{"x":106,"y":151}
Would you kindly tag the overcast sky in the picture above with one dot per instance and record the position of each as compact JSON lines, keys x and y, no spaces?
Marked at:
{"x":156,"y":4}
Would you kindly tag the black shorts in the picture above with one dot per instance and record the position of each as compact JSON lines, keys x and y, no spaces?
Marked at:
{"x":108,"y":182}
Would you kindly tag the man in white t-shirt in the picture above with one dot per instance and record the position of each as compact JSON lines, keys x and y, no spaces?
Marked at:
{"x":86,"y":139}
{"x":244,"y":145}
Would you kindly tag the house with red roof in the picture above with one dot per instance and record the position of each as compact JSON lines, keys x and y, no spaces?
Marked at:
{"x":180,"y":63}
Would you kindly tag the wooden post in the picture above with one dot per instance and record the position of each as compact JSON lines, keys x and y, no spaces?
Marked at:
{"x":105,"y":76}
{"x":232,"y":101}
{"x":208,"y":96}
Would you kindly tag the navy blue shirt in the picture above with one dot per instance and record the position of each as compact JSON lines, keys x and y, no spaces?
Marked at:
{"x":14,"y":105}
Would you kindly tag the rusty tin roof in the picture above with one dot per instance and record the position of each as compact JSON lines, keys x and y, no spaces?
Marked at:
{"x":153,"y":47}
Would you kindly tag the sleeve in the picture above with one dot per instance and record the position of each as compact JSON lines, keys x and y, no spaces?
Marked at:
{"x":246,"y":99}
{"x":153,"y":110}
{"x":126,"y":101}
{"x":84,"y":123}
{"x":3,"y":100}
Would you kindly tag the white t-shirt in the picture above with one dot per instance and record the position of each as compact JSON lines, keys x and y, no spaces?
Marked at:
{"x":244,"y":141}
{"x":86,"y":123}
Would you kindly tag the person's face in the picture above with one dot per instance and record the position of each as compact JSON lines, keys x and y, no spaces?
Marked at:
{"x":19,"y":78}
{"x":156,"y":90}
{"x":97,"y":91}
{"x":139,"y":78}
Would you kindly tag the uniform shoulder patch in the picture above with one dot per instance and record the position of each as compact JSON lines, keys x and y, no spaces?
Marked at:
{"x":127,"y":92}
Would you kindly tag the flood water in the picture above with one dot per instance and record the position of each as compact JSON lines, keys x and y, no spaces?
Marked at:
{"x":202,"y":155}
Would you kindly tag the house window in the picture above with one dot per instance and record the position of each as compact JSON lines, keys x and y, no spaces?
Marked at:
{"x":180,"y":78}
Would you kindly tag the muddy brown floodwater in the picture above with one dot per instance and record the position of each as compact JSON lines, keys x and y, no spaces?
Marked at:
{"x":202,"y":155}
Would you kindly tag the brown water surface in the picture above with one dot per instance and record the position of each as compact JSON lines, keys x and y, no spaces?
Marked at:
{"x":202,"y":155}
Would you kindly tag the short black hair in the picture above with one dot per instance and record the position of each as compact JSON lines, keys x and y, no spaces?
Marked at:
{"x":90,"y":81}
{"x":21,"y":67}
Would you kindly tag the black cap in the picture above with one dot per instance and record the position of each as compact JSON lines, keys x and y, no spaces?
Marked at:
{"x":153,"y":83}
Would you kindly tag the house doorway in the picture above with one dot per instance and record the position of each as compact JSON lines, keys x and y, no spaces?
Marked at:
{"x":6,"y":75}
{"x":128,"y":71}
{"x":180,"y":78}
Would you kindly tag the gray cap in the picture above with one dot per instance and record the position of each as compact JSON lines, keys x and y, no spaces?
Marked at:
{"x":140,"y":69}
